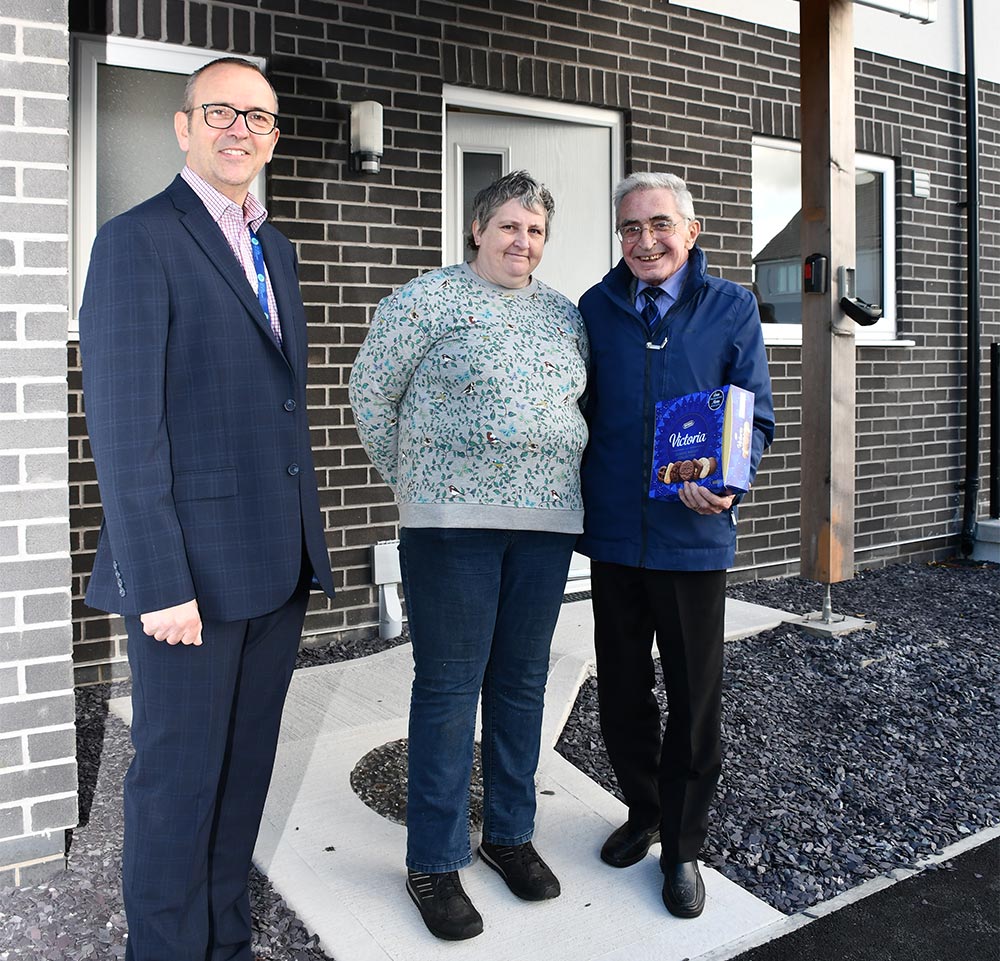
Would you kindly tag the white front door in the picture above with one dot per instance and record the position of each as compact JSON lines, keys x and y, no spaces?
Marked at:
{"x":576,"y":152}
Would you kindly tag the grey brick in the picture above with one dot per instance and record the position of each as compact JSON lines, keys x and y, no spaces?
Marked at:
{"x":25,"y":505}
{"x":47,"y":538}
{"x":8,"y":182}
{"x":10,"y":464}
{"x":34,"y":77}
{"x":7,"y":116}
{"x":55,"y":814}
{"x":47,"y":112}
{"x":7,"y":253}
{"x":8,"y":614}
{"x":36,"y":11}
{"x":31,"y":847}
{"x":54,"y":677}
{"x":34,"y":289}
{"x":35,"y":874}
{"x":8,"y":40}
{"x":37,"y":782}
{"x":25,"y":146}
{"x":32,"y":362}
{"x":24,"y":645}
{"x":45,"y":398}
{"x":8,"y":405}
{"x":46,"y":608}
{"x":9,"y":686}
{"x":11,"y":755}
{"x":26,"y":575}
{"x":8,"y":878}
{"x":33,"y":218}
{"x":45,"y":326}
{"x":50,"y":746}
{"x":25,"y":435}
{"x":50,"y":44}
{"x":41,"y":712}
{"x":46,"y":253}
{"x":11,"y":823}
{"x":8,"y":541}
{"x":45,"y":184}
{"x":46,"y":468}
{"x":8,"y":324}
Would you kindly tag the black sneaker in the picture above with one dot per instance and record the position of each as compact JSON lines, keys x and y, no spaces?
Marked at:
{"x":521,"y":866}
{"x":444,"y":905}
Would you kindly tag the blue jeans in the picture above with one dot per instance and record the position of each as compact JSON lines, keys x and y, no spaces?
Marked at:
{"x":482,"y":606}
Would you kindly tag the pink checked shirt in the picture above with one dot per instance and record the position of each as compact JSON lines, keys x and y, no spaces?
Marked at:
{"x":235,"y":224}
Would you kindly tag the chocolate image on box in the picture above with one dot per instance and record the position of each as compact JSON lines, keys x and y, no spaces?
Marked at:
{"x":703,"y":438}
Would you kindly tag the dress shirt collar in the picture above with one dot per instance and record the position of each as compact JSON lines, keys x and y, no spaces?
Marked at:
{"x":671,"y":287}
{"x":253,"y":213}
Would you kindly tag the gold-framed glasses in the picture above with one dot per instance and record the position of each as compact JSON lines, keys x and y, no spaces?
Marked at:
{"x":221,"y":116}
{"x":660,"y":227}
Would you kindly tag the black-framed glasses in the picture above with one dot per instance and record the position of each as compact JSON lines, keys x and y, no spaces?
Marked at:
{"x":221,"y":116}
{"x":660,"y":227}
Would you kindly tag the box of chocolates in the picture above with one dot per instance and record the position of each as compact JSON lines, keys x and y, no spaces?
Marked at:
{"x":703,"y":438}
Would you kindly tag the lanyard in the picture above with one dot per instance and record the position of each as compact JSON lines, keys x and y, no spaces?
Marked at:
{"x":258,"y":264}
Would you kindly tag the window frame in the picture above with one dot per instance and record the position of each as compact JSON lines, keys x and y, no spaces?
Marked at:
{"x":884,"y":331}
{"x":88,"y":53}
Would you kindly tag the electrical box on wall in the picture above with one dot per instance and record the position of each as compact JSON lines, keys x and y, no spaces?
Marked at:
{"x":816,"y":274}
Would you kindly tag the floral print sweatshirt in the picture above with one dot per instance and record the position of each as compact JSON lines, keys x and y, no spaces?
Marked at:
{"x":465,"y":396}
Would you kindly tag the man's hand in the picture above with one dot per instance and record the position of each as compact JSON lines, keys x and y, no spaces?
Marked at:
{"x":703,"y":501}
{"x":180,"y":624}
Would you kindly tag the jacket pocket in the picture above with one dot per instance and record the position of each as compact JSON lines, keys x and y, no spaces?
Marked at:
{"x":192,"y":485}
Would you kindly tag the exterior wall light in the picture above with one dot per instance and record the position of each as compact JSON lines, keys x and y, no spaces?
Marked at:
{"x":366,"y":137}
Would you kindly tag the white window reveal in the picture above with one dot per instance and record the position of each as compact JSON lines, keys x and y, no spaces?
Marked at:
{"x":777,"y":253}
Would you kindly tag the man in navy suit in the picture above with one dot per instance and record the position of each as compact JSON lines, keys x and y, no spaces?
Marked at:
{"x":193,"y":336}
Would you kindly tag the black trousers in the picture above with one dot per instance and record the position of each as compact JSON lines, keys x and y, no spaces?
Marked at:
{"x":669,"y":777}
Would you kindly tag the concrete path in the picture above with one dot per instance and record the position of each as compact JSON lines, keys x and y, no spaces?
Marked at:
{"x":340,"y":866}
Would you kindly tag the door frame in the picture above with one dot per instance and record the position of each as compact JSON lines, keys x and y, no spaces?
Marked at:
{"x":489,"y":101}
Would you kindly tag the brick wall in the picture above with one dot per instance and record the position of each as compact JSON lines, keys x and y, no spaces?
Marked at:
{"x":37,"y":742}
{"x":694,"y":89}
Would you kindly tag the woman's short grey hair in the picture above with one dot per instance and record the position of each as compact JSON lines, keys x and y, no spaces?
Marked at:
{"x":656,"y":181}
{"x":517,"y":185}
{"x":189,"y":103}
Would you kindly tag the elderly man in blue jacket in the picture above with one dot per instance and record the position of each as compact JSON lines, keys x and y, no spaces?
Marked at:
{"x":661,"y":327}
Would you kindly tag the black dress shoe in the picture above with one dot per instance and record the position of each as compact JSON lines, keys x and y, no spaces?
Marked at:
{"x":444,"y":905}
{"x":683,"y":889}
{"x":628,"y":845}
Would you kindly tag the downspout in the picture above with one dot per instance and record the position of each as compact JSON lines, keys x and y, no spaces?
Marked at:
{"x":972,"y":297}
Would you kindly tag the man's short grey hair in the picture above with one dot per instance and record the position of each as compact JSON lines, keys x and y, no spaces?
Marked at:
{"x":189,"y":103}
{"x":656,"y":181}
{"x":517,"y":185}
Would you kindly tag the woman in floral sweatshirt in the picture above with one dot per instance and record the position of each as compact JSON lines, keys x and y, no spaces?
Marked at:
{"x":465,"y":395}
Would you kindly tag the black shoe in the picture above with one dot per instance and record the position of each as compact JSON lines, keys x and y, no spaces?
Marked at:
{"x":521,"y":866}
{"x":683,"y":889}
{"x":628,"y":845}
{"x":444,"y":905}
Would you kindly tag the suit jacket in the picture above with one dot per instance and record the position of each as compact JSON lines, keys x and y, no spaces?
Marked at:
{"x":197,"y":418}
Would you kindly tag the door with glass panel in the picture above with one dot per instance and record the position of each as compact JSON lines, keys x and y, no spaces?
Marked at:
{"x":575,"y":161}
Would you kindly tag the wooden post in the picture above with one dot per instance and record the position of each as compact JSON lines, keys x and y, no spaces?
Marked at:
{"x":828,"y":227}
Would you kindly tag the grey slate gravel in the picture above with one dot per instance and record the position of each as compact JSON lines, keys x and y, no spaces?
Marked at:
{"x":851,"y":756}
{"x":846,"y":758}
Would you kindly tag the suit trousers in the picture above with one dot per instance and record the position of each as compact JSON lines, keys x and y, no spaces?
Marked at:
{"x":205,"y":728}
{"x":669,"y":777}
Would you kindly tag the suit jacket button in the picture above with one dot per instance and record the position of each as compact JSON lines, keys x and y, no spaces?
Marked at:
{"x":121,"y":591}
{"x":289,"y":405}
{"x":293,"y":469}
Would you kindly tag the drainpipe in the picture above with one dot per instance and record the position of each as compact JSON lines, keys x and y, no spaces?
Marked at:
{"x":972,"y":297}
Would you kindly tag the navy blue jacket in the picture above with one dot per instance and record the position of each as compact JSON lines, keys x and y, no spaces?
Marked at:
{"x":197,"y":418}
{"x":711,"y":336}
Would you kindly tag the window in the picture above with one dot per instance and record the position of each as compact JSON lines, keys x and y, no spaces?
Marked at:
{"x":125,"y":95}
{"x":777,"y":258}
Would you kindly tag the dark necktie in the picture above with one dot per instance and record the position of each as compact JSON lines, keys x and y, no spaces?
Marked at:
{"x":651,"y":310}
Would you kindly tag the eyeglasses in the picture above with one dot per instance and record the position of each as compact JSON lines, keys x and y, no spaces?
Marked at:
{"x":661,"y":227}
{"x":221,"y":116}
